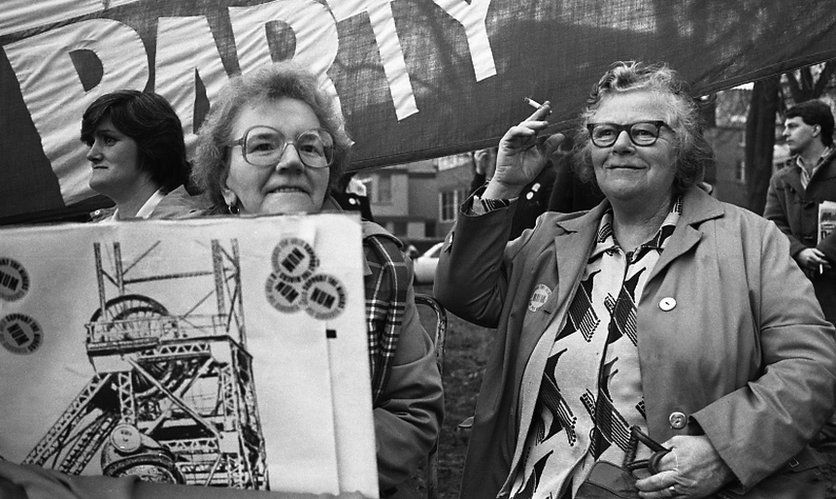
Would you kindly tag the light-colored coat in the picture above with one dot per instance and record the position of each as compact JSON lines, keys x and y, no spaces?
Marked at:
{"x":745,"y":352}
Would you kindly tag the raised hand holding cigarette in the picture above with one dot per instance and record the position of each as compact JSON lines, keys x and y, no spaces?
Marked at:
{"x":538,"y":109}
{"x":520,"y":158}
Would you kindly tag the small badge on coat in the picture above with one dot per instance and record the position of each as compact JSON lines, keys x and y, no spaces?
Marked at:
{"x":538,"y":297}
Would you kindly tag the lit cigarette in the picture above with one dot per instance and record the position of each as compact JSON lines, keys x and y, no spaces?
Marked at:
{"x":531,"y":102}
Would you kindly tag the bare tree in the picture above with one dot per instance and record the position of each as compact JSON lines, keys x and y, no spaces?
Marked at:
{"x":760,"y":140}
{"x":805,"y":86}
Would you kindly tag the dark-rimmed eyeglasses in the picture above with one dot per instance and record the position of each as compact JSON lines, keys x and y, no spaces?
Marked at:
{"x":641,"y":133}
{"x":264,"y":146}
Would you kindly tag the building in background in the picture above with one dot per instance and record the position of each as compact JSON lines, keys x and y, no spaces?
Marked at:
{"x":418,"y":201}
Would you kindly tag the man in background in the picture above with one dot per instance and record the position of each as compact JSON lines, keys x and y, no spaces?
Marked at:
{"x":350,"y":193}
{"x":797,"y":191}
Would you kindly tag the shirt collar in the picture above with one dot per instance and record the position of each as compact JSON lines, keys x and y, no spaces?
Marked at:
{"x":799,"y":161}
{"x":146,"y":209}
{"x":605,"y":240}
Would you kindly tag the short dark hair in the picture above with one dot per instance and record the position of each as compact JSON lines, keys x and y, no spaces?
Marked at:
{"x":815,"y":112}
{"x":694,"y":153}
{"x":150,"y":120}
{"x":269,"y":83}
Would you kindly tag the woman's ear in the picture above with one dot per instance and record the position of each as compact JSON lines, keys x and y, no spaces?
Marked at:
{"x":230,"y":198}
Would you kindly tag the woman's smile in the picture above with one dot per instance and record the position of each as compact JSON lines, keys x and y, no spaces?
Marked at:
{"x":289,"y":186}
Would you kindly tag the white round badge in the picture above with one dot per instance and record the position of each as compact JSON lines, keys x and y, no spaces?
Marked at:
{"x":539,"y":297}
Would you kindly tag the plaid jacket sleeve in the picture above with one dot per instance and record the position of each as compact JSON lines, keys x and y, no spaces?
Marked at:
{"x":408,"y":405}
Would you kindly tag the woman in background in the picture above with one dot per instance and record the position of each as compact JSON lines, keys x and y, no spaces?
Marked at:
{"x":137,"y":156}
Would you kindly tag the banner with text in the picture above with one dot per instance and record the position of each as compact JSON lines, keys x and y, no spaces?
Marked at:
{"x":414,"y":78}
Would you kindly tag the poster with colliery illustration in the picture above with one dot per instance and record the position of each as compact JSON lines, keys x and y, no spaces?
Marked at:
{"x":223,"y":352}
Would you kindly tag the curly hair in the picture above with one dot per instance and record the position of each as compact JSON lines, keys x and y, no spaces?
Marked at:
{"x":268,"y":83}
{"x":694,"y":153}
{"x":151,"y":122}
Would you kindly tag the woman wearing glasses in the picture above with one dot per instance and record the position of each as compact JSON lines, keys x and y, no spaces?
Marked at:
{"x":272,"y":144}
{"x":661,"y":312}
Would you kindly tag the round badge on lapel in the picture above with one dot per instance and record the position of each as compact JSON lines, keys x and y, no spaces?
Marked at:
{"x":667,"y":303}
{"x":539,"y":297}
{"x":677,"y":420}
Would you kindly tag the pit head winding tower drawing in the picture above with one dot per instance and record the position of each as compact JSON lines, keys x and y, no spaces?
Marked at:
{"x":173,"y":397}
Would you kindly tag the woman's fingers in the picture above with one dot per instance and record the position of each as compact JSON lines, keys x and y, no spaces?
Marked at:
{"x":528,"y":128}
{"x":656,"y":482}
{"x":516,"y":137}
{"x":544,"y":110}
{"x":552,"y":143}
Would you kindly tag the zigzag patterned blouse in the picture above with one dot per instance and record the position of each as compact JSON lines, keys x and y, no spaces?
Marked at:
{"x":590,"y":393}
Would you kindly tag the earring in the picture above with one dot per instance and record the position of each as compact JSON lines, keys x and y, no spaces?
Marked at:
{"x":233,"y":209}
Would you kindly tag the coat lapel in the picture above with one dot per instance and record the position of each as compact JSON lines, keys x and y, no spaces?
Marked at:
{"x":572,"y":248}
{"x":698,"y":207}
{"x":793,"y":178}
{"x":828,"y":168}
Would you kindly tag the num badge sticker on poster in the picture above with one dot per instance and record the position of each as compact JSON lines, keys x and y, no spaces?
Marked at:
{"x":20,"y":334}
{"x":324,"y":296}
{"x":294,"y":260}
{"x":14,"y":280}
{"x":285,"y":296}
{"x":293,"y":284}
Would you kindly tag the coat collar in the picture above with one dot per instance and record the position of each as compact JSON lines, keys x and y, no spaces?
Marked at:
{"x":828,"y":166}
{"x":331,"y":204}
{"x":571,"y":247}
{"x":579,"y":232}
{"x":697,"y":207}
{"x":792,"y":177}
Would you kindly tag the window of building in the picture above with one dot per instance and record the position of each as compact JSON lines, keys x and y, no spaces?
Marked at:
{"x":740,"y":171}
{"x":449,"y":202}
{"x":384,"y":190}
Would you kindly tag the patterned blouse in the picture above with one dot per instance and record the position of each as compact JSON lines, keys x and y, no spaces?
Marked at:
{"x":590,"y":393}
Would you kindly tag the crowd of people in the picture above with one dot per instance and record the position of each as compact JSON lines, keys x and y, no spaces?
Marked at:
{"x":652,"y":341}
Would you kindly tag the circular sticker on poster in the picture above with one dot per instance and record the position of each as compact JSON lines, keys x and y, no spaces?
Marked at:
{"x":283,"y":295}
{"x":14,"y":280}
{"x":324,"y":296}
{"x":294,"y":260}
{"x":20,"y":334}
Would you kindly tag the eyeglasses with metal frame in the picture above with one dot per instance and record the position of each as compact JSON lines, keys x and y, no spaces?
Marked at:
{"x":641,"y":133}
{"x":264,"y":146}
